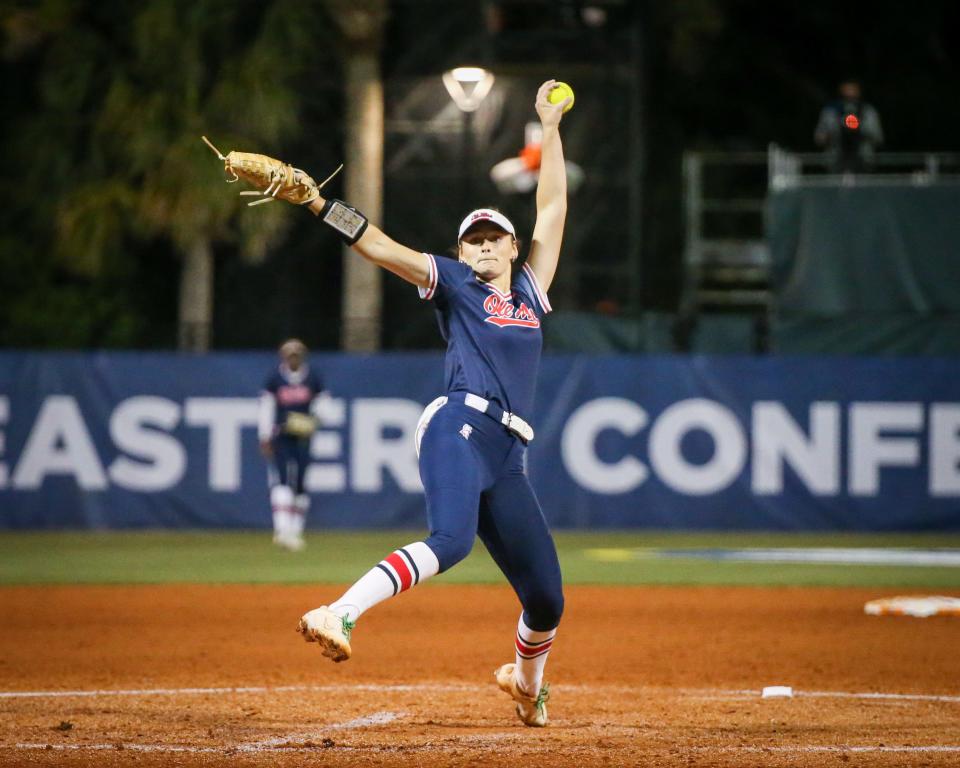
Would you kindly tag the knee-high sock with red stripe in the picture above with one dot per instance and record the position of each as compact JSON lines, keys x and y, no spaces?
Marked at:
{"x":532,"y":651}
{"x":396,"y":573}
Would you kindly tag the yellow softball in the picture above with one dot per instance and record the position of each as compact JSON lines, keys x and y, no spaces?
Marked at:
{"x":559,"y":92}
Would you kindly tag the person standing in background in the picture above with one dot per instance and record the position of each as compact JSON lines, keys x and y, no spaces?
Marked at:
{"x":849,"y":130}
{"x":285,"y":425}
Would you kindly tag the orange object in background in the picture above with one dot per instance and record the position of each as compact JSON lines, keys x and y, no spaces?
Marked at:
{"x":530,"y":155}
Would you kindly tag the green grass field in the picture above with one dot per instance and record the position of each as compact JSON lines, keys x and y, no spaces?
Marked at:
{"x":338,"y":557}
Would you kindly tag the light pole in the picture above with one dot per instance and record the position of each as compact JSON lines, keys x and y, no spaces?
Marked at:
{"x":468,"y":87}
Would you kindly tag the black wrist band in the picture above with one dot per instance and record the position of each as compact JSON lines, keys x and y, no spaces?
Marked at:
{"x":348,"y":222}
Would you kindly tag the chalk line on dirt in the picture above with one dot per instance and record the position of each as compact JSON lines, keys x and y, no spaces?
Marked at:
{"x":464,"y":687}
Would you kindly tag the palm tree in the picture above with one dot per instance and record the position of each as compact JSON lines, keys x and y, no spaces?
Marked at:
{"x":361,"y":24}
{"x":178,"y":69}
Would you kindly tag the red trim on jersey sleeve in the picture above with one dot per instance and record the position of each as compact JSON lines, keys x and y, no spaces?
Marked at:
{"x":541,"y":295}
{"x":428,"y":292}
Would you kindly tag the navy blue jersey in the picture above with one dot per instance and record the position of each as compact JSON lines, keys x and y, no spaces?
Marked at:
{"x":493,"y":339}
{"x":293,"y":391}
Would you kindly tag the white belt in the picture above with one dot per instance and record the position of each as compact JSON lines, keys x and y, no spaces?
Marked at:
{"x":510,"y":420}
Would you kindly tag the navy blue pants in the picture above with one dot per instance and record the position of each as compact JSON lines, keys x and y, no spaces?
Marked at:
{"x":290,"y":458}
{"x":472,"y":472}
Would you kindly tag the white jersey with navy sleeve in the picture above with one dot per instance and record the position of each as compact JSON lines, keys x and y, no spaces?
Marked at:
{"x":494,"y":340}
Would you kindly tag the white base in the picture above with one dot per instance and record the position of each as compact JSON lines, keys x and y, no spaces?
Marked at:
{"x":777,"y":692}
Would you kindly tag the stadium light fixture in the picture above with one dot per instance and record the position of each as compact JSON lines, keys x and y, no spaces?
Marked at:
{"x":468,"y":86}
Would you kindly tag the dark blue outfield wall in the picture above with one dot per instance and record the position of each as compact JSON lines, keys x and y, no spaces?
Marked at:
{"x":130,"y":440}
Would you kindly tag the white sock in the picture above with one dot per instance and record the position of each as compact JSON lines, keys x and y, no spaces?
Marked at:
{"x":281,"y":501}
{"x":396,"y":573}
{"x":298,"y":515}
{"x":532,"y":651}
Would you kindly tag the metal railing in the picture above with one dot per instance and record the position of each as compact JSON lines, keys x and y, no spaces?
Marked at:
{"x":726,"y":256}
{"x":726,"y":260}
{"x":725,"y":192}
{"x":738,"y":199}
{"x":789,"y":170}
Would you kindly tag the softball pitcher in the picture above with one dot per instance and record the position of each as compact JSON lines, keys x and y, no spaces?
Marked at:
{"x":473,"y":439}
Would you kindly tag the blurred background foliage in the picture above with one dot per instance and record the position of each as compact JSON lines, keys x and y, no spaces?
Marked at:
{"x":107,"y":189}
{"x":112,"y":188}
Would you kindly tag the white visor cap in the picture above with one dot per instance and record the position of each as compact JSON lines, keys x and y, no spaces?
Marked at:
{"x":486,"y":214}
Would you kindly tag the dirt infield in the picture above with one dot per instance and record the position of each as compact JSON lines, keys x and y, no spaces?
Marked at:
{"x":215,"y":676}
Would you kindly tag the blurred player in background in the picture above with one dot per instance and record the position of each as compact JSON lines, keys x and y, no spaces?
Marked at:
{"x":472,"y":441}
{"x":285,"y":425}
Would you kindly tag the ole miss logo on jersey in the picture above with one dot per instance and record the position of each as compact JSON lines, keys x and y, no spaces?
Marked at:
{"x":294,"y":394}
{"x":502,"y":313}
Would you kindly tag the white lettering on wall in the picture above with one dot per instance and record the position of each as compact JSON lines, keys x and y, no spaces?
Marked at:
{"x":579,"y":442}
{"x":161,"y":458}
{"x":364,"y":445}
{"x":778,"y":440}
{"x":373,"y":453}
{"x":59,"y":444}
{"x":327,"y":445}
{"x":225,"y":417}
{"x":945,"y":449}
{"x":870,"y":450}
{"x":729,"y":447}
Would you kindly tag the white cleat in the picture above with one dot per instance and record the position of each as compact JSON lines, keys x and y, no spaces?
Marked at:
{"x":532,"y":710}
{"x":290,"y":542}
{"x":321,"y":625}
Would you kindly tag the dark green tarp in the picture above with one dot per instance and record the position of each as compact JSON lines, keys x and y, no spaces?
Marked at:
{"x":867,"y":334}
{"x":852,"y":249}
{"x":866,"y":269}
